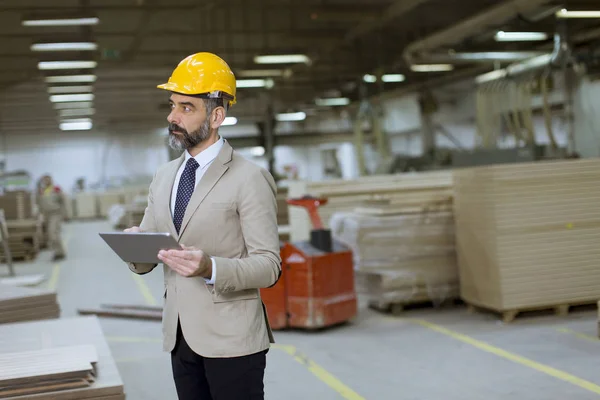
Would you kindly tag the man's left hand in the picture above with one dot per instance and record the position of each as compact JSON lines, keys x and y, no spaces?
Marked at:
{"x":187,"y":262}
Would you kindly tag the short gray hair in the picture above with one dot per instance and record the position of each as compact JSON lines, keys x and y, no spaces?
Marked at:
{"x":211,"y":104}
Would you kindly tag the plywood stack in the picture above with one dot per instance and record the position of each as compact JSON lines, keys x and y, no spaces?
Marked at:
{"x":47,"y":371}
{"x":17,"y":204}
{"x":527,"y":235}
{"x":282,"y":214}
{"x":27,"y":304}
{"x":401,"y":256}
{"x":24,"y":238}
{"x":106,"y":200}
{"x":75,"y":346}
{"x":411,"y":190}
{"x":85,"y":205}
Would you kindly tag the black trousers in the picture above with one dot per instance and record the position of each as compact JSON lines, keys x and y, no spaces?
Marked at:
{"x":201,"y":378}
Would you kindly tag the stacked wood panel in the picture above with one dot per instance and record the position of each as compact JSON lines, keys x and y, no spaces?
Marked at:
{"x":73,"y":361}
{"x":528,"y":234}
{"x":24,"y":238}
{"x":19,"y":304}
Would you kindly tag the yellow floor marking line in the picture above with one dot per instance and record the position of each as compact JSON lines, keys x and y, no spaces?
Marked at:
{"x":579,"y":335}
{"x":556,"y":373}
{"x":313,"y":367}
{"x":144,"y":290}
{"x":320,"y":373}
{"x":53,"y":281}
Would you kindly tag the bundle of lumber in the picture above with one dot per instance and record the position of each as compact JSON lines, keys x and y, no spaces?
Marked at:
{"x":27,"y":304}
{"x":24,"y":238}
{"x":47,"y":370}
{"x":63,"y":359}
{"x":401,"y":257}
{"x":527,"y":235}
{"x":17,"y":204}
{"x":409,"y":192}
{"x":282,"y":214}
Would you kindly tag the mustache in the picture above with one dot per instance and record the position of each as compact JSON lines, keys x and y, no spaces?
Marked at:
{"x":176,"y":128}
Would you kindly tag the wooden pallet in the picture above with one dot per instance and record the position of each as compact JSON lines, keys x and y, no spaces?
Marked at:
{"x":399,"y":307}
{"x":510,"y":315}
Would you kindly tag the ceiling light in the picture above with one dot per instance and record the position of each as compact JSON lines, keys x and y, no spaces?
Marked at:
{"x":294,"y":116}
{"x":335,"y":101}
{"x":502,"y":36}
{"x":228,"y":121}
{"x":564,"y":13}
{"x":393,"y":78}
{"x":70,"y":79}
{"x":74,"y":46}
{"x":61,"y":22}
{"x":76,"y":124}
{"x":48,"y":65}
{"x":283,"y":59}
{"x":257,"y":151}
{"x":432,"y":67}
{"x":61,"y":98}
{"x":369,"y":78}
{"x":69,"y":89}
{"x":67,"y":105}
{"x":255,"y":83}
{"x":264,"y":73}
{"x":76,"y":112}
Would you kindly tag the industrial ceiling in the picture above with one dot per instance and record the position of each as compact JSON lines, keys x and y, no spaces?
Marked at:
{"x":348,"y":47}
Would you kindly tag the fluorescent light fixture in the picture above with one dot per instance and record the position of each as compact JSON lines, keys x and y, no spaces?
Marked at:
{"x":502,"y":36}
{"x":70,"y":89}
{"x":432,"y":67}
{"x":369,"y":78}
{"x":294,"y":116}
{"x":81,"y":124}
{"x":228,"y":121}
{"x":71,"y":79}
{"x":62,"y":98}
{"x":496,"y":55}
{"x":254,"y":83}
{"x":50,"y":65}
{"x":257,"y":151}
{"x":61,"y":21}
{"x":67,"y":105}
{"x":76,"y":112}
{"x":393,"y":78}
{"x":74,"y":46}
{"x":283,"y":59}
{"x":564,"y":13}
{"x":335,"y":101}
{"x":264,"y":73}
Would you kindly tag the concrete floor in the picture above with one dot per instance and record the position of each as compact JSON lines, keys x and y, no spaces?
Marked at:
{"x":425,"y":354}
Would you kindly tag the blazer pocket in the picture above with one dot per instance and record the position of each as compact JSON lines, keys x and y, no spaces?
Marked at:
{"x":247,"y":294}
{"x":221,"y":205}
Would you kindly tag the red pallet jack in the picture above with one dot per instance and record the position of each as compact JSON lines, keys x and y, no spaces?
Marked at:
{"x":316,"y":287}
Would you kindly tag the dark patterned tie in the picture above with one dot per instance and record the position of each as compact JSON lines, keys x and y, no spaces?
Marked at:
{"x":184,"y":191}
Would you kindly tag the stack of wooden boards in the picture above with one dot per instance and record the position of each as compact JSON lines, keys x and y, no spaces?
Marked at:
{"x":92,"y":205}
{"x":282,"y":214}
{"x":403,"y":247}
{"x":63,"y":359}
{"x":19,"y":304}
{"x":24,"y":238}
{"x":47,"y":370}
{"x":412,"y":191}
{"x":527,"y":235}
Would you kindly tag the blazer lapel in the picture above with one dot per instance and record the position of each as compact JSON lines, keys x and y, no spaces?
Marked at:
{"x":212,"y":175}
{"x":165,"y":195}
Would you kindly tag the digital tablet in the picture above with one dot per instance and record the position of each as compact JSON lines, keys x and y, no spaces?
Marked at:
{"x":139,"y":247}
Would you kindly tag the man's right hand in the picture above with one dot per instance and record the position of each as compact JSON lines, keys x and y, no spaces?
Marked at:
{"x":133,"y":229}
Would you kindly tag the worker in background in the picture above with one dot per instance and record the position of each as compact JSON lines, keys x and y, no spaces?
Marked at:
{"x":51,"y":203}
{"x":222,"y":209}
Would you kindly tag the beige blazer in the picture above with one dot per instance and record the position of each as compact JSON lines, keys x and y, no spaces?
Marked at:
{"x":232,"y":216}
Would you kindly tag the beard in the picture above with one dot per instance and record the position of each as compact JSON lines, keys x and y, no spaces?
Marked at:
{"x":185,"y":140}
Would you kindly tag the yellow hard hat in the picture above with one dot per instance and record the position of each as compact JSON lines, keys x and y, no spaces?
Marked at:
{"x":205,"y":75}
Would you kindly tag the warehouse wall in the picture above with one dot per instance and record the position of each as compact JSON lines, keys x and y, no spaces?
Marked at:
{"x":71,"y":155}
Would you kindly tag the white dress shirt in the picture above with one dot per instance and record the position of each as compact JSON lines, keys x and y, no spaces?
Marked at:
{"x":204,"y":159}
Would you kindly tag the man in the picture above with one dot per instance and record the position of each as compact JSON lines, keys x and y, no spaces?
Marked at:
{"x":51,"y":202}
{"x":222,"y":209}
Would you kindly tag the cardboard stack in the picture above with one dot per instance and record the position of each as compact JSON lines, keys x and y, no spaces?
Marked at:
{"x":19,"y":304}
{"x":404,"y":247}
{"x":527,"y":235}
{"x":282,"y":214}
{"x":63,"y":359}
{"x":17,"y":205}
{"x":24,"y":238}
